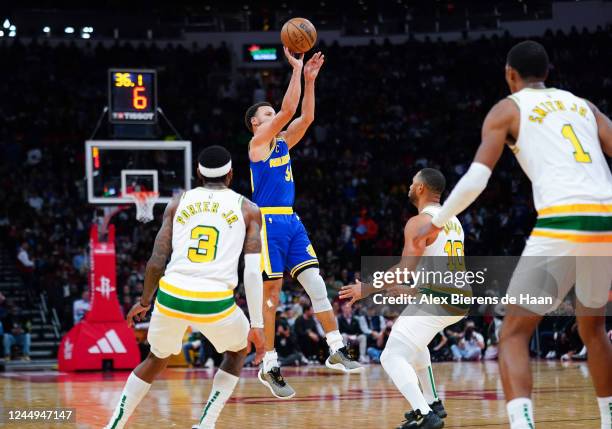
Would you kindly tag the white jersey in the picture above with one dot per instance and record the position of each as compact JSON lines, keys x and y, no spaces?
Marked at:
{"x":449,"y":241}
{"x":208,"y":232}
{"x":442,"y":257}
{"x":558,"y":148}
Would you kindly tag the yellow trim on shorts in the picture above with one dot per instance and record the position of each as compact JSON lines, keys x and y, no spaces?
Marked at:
{"x":194,"y":294}
{"x":303,"y":264}
{"x":193,"y":318}
{"x":576,"y":208}
{"x":569,"y":236}
{"x":266,"y":265}
{"x":276,"y":210}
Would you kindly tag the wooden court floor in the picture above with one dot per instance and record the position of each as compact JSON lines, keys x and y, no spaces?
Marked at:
{"x":472,"y":395}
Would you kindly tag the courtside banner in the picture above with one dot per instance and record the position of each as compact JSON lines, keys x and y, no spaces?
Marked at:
{"x":459,"y":285}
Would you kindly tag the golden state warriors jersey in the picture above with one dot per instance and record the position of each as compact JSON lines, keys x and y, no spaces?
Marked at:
{"x":272,"y":178}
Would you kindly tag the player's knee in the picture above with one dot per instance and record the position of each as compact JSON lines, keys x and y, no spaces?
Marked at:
{"x":386,"y":358}
{"x":313,"y":284}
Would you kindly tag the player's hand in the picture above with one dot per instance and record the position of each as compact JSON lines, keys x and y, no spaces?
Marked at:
{"x":425,"y":233}
{"x":137,"y":313}
{"x":296,"y":63}
{"x":257,"y":338}
{"x":312,"y":67}
{"x":351,"y":292}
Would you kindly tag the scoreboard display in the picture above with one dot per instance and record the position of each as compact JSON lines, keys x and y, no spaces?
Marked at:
{"x":132,"y":96}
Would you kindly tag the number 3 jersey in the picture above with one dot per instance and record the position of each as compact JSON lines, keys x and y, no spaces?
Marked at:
{"x":558,"y":148}
{"x":208,"y":232}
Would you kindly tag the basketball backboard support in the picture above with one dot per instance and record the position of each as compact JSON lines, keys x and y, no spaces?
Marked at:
{"x":116,"y":168}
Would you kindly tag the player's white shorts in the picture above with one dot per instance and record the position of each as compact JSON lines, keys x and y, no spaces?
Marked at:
{"x":549,"y":267}
{"x":166,"y":333}
{"x":419,"y":330}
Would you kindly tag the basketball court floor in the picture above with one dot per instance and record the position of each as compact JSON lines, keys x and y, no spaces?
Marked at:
{"x":472,"y":395}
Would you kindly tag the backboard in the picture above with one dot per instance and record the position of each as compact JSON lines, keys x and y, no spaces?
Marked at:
{"x":116,"y":168}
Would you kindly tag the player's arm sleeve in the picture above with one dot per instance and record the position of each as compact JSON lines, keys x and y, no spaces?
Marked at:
{"x":465,"y":192}
{"x":253,"y":287}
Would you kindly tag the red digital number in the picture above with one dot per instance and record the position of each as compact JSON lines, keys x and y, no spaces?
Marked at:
{"x":139,"y":101}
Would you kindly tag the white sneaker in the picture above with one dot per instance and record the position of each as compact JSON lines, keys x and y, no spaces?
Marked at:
{"x":551,"y":355}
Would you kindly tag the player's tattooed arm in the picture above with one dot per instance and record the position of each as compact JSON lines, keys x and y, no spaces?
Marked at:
{"x":297,"y":128}
{"x":162,"y":249}
{"x":252,"y":218}
{"x":604,"y":129}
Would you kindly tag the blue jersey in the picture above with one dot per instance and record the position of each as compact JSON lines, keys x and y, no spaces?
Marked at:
{"x":272,"y":178}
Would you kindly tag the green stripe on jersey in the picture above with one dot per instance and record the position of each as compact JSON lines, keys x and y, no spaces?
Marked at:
{"x":576,"y":223}
{"x":194,"y":307}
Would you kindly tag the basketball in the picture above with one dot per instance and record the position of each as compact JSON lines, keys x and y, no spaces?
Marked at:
{"x":299,"y":35}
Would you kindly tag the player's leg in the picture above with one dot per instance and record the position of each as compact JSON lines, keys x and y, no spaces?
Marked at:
{"x":275,"y":241}
{"x":424,"y":372}
{"x":165,"y":336}
{"x":303,"y":265}
{"x":537,"y":275}
{"x":514,"y":367}
{"x":228,"y":336}
{"x":593,"y":278}
{"x":397,"y":360}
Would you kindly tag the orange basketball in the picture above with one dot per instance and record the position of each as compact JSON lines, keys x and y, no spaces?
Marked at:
{"x":299,"y":35}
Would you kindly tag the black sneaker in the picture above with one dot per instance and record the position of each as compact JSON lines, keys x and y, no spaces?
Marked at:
{"x":274,"y":381}
{"x":438,"y":408}
{"x":415,"y":420}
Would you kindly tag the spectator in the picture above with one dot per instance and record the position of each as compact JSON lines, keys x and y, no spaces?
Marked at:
{"x":471,"y":344}
{"x":351,"y":332}
{"x":2,"y":314}
{"x":195,"y":343}
{"x":25,"y":265}
{"x":17,"y":329}
{"x":440,"y":349}
{"x":285,"y":343}
{"x":366,"y":231}
{"x":493,"y":332}
{"x":81,"y":307}
{"x":373,"y":326}
{"x":308,"y":336}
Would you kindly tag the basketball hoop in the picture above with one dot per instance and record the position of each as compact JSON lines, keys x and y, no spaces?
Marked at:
{"x":145,"y":201}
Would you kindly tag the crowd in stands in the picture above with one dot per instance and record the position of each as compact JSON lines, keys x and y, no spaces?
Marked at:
{"x":383,"y":111}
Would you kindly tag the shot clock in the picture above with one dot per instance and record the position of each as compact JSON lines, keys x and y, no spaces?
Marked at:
{"x":132,"y":96}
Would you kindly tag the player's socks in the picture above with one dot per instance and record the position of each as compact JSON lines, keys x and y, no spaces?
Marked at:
{"x":396,"y":362}
{"x":605,"y":410}
{"x":222,"y":388}
{"x":520,"y":413}
{"x":428,"y":384}
{"x":135,"y":389}
{"x":334,"y":341}
{"x":270,"y":361}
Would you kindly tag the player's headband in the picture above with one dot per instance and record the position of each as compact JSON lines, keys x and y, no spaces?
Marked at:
{"x":215,"y":172}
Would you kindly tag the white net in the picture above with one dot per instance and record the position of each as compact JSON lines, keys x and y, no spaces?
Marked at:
{"x":145,"y":201}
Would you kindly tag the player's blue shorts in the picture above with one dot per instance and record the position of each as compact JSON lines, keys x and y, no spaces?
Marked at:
{"x":285,"y":244}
